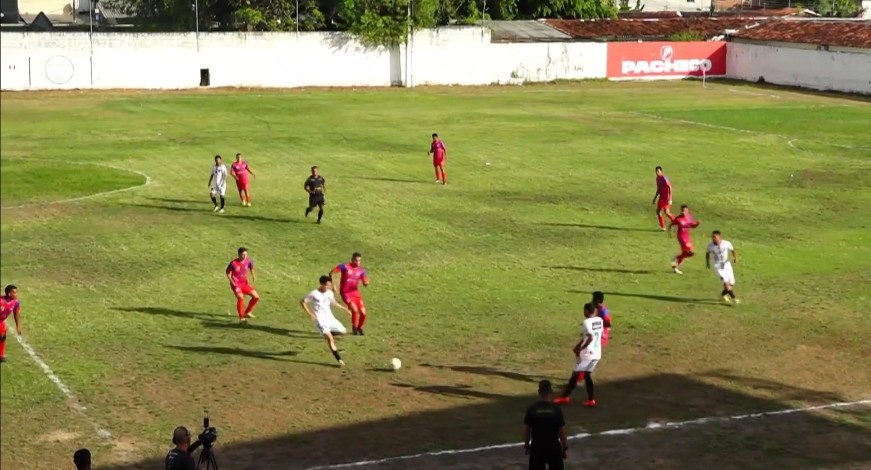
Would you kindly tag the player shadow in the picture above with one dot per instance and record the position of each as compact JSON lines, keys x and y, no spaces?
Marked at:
{"x":661,"y":298}
{"x":276,"y":356}
{"x":251,"y":325}
{"x":602,"y":227}
{"x":605,"y":270}
{"x":483,"y":370}
{"x":389,"y":180}
{"x":251,"y":217}
{"x":179,"y":201}
{"x":165,"y":312}
{"x":465,"y":391}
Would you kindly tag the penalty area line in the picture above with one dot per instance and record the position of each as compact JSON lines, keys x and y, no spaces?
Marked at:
{"x":71,"y":397}
{"x":612,"y":432}
{"x":147,"y":182}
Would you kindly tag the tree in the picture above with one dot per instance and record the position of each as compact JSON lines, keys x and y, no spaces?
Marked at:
{"x":387,"y":22}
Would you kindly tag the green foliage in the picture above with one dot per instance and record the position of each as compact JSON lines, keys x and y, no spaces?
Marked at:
{"x":687,"y":36}
{"x":838,"y":8}
{"x":594,"y":9}
{"x":624,"y":6}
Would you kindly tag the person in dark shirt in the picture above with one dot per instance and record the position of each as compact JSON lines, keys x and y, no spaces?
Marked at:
{"x":82,"y":459}
{"x":546,"y":427}
{"x":315,"y":186}
{"x":180,"y":458}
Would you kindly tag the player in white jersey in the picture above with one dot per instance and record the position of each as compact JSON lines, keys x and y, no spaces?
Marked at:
{"x":318,"y":305}
{"x":588,"y":352}
{"x":720,"y":250}
{"x":218,"y":183}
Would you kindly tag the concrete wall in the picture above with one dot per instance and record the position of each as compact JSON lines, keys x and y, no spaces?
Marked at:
{"x":447,"y":56}
{"x":803,"y":66}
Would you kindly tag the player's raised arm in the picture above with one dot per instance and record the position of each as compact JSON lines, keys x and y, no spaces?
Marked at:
{"x":304,"y":304}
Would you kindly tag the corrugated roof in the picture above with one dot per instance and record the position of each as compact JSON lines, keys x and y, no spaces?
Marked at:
{"x":647,"y":29}
{"x":825,"y":33}
{"x":520,"y":31}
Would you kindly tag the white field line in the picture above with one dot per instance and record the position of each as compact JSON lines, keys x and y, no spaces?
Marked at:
{"x":612,"y":432}
{"x":790,"y":140}
{"x":72,"y":399}
{"x":147,"y":182}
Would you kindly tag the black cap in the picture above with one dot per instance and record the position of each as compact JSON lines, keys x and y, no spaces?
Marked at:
{"x":544,"y":387}
{"x":82,"y":458}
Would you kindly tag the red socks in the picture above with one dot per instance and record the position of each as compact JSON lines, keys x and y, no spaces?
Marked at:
{"x":240,"y":307}
{"x":3,"y":348}
{"x":251,"y":304}
{"x":661,"y":220}
{"x":362,"y":320}
{"x":354,"y":318}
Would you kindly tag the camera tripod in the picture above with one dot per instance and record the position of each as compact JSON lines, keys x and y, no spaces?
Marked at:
{"x":207,"y":459}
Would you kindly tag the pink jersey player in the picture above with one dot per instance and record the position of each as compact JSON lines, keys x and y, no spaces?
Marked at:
{"x":237,"y":273}
{"x":9,"y":305}
{"x":352,"y":274}
{"x":240,"y":171}
{"x":684,"y":223}
{"x":439,"y":154}
{"x":662,"y":198}
{"x":603,"y":313}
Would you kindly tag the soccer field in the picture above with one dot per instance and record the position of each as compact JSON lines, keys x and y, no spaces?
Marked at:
{"x":109,"y":234}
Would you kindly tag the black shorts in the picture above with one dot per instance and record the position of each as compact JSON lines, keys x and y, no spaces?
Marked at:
{"x":316,"y":199}
{"x":546,"y":461}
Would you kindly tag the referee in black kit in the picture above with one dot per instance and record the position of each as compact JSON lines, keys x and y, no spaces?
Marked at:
{"x":546,"y":427}
{"x":315,"y":186}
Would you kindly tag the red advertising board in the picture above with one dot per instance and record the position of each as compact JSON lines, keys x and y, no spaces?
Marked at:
{"x":665,"y":59}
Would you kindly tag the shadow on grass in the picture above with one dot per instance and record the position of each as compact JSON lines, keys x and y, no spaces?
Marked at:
{"x":167,"y":200}
{"x":204,"y":212}
{"x":661,"y":298}
{"x":484,"y":370}
{"x":601,"y":227}
{"x":760,"y":86}
{"x":277,"y":356}
{"x":799,"y":440}
{"x":606,"y":270}
{"x":210,"y":320}
{"x":390,"y":180}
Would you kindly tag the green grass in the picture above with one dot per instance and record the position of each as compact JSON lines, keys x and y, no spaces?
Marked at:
{"x":124,"y":294}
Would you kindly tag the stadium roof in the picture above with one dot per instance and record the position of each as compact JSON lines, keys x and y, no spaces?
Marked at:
{"x":524,"y":31}
{"x":818,"y":32}
{"x":649,"y":29}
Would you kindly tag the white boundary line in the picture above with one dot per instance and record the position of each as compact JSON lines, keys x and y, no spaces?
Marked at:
{"x":147,"y":182}
{"x":790,"y":140}
{"x":74,"y":402}
{"x":611,"y":432}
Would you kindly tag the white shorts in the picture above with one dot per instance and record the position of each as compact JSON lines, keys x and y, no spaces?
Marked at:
{"x":726,"y":274}
{"x":218,"y":190}
{"x":330,"y":325}
{"x":586,"y":364}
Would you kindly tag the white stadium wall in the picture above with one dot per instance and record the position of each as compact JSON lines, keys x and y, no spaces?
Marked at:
{"x":444,"y":56}
{"x":847,"y":70}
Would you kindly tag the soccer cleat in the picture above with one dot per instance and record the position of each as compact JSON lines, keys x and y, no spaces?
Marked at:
{"x":2,"y":359}
{"x":727,"y":299}
{"x":438,"y":181}
{"x":249,"y":315}
{"x":217,"y":208}
{"x":354,"y":331}
{"x":243,"y":321}
{"x":676,"y":270}
{"x":737,"y":301}
{"x":562,"y":400}
{"x":360,"y":331}
{"x":341,"y":363}
{"x":590,"y":403}
{"x":220,"y":211}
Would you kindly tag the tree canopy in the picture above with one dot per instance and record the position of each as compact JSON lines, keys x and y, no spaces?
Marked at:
{"x":375,"y":22}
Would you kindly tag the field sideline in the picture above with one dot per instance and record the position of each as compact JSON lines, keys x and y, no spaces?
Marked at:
{"x":108,"y":232}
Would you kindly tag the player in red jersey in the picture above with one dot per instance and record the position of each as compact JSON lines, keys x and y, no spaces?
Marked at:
{"x":684,"y":222}
{"x":9,"y":305}
{"x":237,"y":273}
{"x":240,"y":170}
{"x":604,"y":314}
{"x":349,"y":289}
{"x":662,"y":198}
{"x":439,"y":154}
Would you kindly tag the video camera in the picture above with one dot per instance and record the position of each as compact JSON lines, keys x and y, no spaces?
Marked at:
{"x":209,"y":435}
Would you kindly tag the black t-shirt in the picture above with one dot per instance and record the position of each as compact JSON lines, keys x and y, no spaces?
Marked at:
{"x":545,"y":420}
{"x":315,"y":184}
{"x":179,"y":460}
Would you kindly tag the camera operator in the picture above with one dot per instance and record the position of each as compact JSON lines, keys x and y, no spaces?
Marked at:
{"x":180,"y":458}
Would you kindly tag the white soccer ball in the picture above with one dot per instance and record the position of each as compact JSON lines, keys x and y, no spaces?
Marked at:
{"x":395,"y":363}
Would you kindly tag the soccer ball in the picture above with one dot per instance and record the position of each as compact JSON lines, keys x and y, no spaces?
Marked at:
{"x":395,"y":363}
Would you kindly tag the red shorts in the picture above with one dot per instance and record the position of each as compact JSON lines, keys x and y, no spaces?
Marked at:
{"x":242,"y":185}
{"x":686,"y":247}
{"x":244,"y":289}
{"x":3,"y":328}
{"x":438,"y":161}
{"x":353,"y":298}
{"x":663,"y":205}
